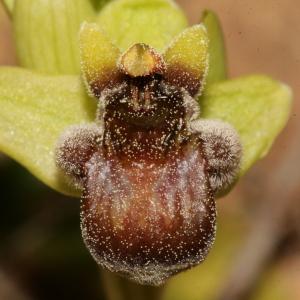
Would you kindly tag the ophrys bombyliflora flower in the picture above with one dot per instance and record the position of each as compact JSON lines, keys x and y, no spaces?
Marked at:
{"x":149,"y":167}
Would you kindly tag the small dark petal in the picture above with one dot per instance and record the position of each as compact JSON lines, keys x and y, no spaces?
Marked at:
{"x":180,"y":76}
{"x":108,"y":80}
{"x":222,"y":149}
{"x":98,"y":60}
{"x":75,"y":147}
{"x":187,"y":60}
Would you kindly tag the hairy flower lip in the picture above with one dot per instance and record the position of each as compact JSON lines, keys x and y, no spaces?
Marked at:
{"x":148,"y":238}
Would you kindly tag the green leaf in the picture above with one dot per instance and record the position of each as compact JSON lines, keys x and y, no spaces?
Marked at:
{"x":153,"y":22}
{"x":46,"y":33}
{"x":218,"y":67}
{"x":9,"y":5}
{"x":35,"y":109}
{"x":257,"y":106}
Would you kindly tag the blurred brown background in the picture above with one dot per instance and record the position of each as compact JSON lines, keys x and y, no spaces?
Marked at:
{"x":257,"y":253}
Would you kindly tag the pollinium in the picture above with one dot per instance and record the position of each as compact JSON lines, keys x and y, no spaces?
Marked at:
{"x":149,"y":167}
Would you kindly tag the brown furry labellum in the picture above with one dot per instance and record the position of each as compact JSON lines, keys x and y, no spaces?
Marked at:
{"x":149,"y":168}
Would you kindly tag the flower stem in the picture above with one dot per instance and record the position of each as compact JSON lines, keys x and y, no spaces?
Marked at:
{"x":118,"y":288}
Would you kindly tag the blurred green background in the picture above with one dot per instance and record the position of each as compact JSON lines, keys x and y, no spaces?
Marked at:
{"x":257,"y":252}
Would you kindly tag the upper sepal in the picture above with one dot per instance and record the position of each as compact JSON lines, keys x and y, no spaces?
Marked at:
{"x":151,"y":22}
{"x":187,"y":59}
{"x":99,"y":59}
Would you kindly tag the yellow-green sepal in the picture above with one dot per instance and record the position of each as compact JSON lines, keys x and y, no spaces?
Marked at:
{"x":35,"y":110}
{"x":152,"y":22}
{"x":257,"y":106}
{"x":46,"y":34}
